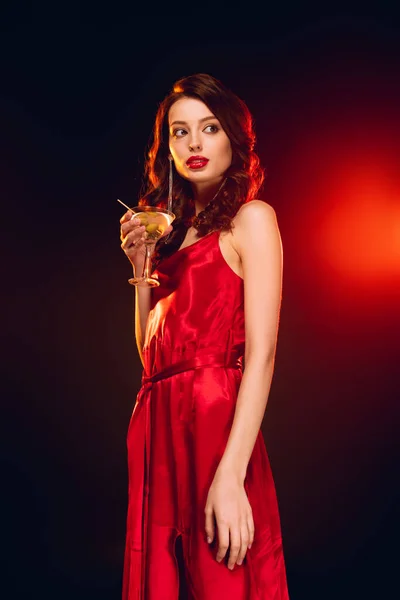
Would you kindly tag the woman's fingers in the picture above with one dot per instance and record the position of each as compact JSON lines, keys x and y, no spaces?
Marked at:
{"x":129,"y":225}
{"x":133,"y":235}
{"x":235,"y":546}
{"x":126,"y":217}
{"x":237,"y":539}
{"x":135,"y":238}
{"x":131,"y":229}
{"x":209,"y":525}
{"x":244,"y":539}
{"x":250,"y":526}
{"x":223,"y":541}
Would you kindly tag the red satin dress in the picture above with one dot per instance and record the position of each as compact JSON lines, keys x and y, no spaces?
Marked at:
{"x":194,"y":344}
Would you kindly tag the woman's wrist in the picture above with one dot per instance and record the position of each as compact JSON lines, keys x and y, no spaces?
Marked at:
{"x":137,"y":268}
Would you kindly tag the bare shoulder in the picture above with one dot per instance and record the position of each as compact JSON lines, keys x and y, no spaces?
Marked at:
{"x":252,"y":217}
{"x":253,"y":210}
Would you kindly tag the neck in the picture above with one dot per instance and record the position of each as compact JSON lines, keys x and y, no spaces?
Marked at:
{"x":204,"y":193}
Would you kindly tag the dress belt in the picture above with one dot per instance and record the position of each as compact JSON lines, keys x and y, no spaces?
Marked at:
{"x":228,"y":359}
{"x":233,"y":359}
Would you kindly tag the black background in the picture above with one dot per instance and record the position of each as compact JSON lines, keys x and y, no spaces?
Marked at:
{"x":80,"y":88}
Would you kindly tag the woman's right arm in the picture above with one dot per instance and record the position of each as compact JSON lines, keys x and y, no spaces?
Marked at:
{"x":132,"y":238}
{"x":142,"y":309}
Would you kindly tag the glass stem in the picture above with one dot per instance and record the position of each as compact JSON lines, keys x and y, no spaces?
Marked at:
{"x":147,"y":261}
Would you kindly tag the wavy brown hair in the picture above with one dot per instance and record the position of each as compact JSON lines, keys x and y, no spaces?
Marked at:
{"x":244,"y":177}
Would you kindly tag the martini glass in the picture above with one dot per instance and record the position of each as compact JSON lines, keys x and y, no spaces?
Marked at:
{"x":156,"y":220}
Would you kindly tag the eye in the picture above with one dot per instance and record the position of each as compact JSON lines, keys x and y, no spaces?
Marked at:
{"x":178,"y":132}
{"x":212,"y":128}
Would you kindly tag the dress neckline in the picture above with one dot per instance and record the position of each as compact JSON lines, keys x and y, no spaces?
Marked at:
{"x":196,"y":242}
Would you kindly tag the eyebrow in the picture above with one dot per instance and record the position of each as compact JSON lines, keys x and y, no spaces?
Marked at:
{"x":200,"y":120}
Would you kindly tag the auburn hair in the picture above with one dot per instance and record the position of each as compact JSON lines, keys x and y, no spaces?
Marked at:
{"x":244,"y":177}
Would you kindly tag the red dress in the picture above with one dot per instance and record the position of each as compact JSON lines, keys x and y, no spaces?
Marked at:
{"x":177,"y":435}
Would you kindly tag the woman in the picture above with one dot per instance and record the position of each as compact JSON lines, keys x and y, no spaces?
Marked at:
{"x":198,"y":468}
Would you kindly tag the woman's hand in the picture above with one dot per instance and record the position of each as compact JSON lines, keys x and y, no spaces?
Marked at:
{"x":227,"y":501}
{"x":132,"y":236}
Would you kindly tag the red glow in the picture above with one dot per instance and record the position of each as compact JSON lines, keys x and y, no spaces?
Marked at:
{"x":359,"y":233}
{"x":348,"y":187}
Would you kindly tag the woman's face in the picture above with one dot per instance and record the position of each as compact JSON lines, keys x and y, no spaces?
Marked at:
{"x":199,"y":146}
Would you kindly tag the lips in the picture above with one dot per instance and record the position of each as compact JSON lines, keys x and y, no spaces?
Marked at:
{"x":197,"y":162}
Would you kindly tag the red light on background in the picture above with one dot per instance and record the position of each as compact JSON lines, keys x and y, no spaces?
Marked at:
{"x":359,"y":233}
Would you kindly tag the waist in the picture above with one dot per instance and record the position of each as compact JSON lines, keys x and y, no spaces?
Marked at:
{"x":206,"y":358}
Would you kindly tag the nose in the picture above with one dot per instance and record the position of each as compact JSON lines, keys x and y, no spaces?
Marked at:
{"x":194,"y":146}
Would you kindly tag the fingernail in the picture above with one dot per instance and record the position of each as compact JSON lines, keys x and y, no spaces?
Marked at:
{"x":239,"y":562}
{"x":209,"y":540}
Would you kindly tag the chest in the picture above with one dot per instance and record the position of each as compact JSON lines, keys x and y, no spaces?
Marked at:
{"x":226,"y":246}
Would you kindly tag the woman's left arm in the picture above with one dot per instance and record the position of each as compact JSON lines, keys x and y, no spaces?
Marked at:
{"x":259,"y":245}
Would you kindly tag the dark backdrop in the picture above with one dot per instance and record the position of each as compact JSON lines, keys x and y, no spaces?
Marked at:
{"x":79,"y":94}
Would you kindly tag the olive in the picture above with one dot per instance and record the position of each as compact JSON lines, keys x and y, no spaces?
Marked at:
{"x":151,"y":227}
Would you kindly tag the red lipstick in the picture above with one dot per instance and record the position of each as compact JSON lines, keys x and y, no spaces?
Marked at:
{"x":196,"y":162}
